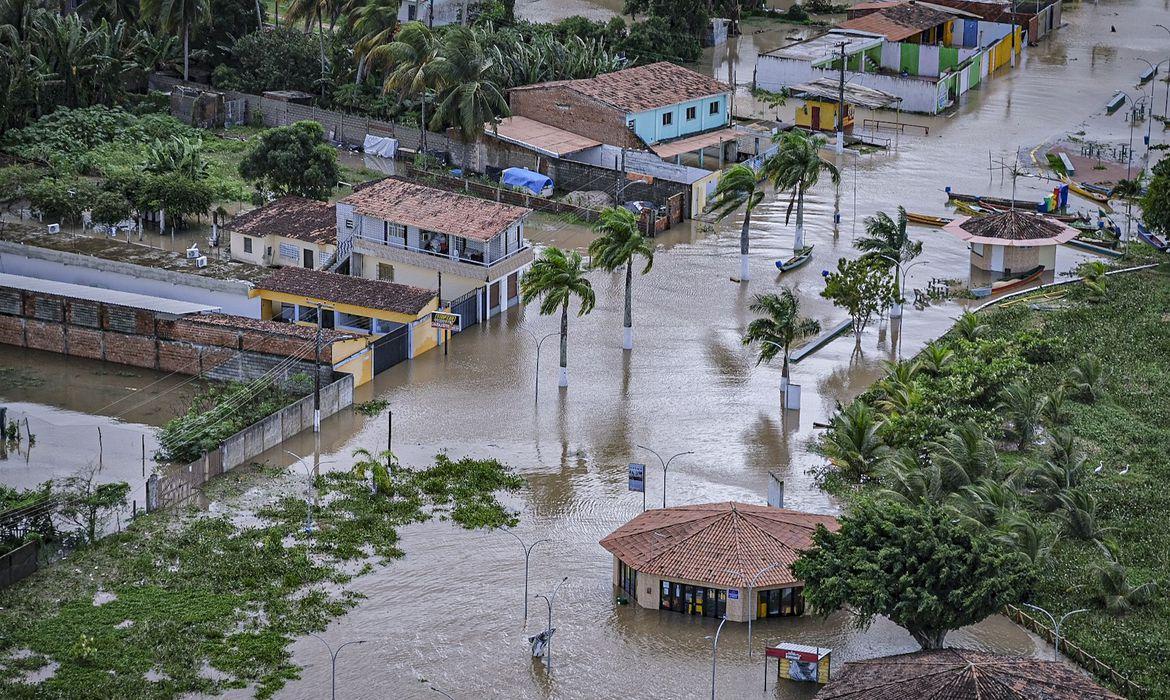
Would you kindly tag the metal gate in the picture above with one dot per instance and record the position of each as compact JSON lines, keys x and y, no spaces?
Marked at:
{"x":392,"y":348}
{"x":235,"y":112}
{"x":467,"y":306}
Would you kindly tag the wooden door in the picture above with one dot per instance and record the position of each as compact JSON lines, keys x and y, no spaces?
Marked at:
{"x":816,"y":119}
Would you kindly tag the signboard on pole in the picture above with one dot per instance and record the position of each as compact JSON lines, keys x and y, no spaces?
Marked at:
{"x":443,"y":321}
{"x":637,"y":477}
{"x":775,"y":491}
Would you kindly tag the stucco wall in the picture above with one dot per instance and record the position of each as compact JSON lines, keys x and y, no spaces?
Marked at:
{"x":649,"y":127}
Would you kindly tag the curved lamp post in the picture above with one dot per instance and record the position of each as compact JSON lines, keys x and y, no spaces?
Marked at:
{"x":751,"y":584}
{"x":333,"y":658}
{"x":1056,"y":624}
{"x":665,"y":466}
{"x":539,"y":342}
{"x":309,"y":492}
{"x":896,"y":309}
{"x":1166,"y":104}
{"x":1153,"y":83}
{"x":527,"y":553}
{"x":714,"y":649}
{"x":550,"y":600}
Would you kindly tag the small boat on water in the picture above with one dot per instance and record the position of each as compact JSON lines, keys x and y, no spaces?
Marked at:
{"x":799,"y":257}
{"x":968,"y":208}
{"x":1009,"y":283}
{"x":927,"y":219}
{"x":994,"y":201}
{"x":1152,"y":238}
{"x":1094,"y":246}
{"x":1084,"y":192}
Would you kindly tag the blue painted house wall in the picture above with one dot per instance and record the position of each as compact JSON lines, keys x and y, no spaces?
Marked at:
{"x":649,"y":127}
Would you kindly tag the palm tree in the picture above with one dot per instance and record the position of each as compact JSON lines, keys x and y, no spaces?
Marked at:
{"x":1056,"y":409}
{"x":1093,"y":277}
{"x":781,"y":326}
{"x":308,"y":10}
{"x":1080,"y":515}
{"x":374,"y":22}
{"x":935,"y":358}
{"x":797,"y":168}
{"x":180,"y":16}
{"x":1022,"y":407}
{"x":964,"y":456}
{"x":909,"y":481}
{"x":470,"y":99}
{"x":986,"y":502}
{"x":409,"y":62}
{"x":1086,"y":377}
{"x":555,"y":278}
{"x":888,"y":239}
{"x":738,"y":187}
{"x":1019,"y":531}
{"x":851,"y":443}
{"x":620,"y":242}
{"x":1115,"y":593}
{"x":380,"y":467}
{"x":971,"y":327}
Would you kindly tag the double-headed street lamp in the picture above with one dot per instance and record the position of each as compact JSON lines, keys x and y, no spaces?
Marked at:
{"x":714,"y":649}
{"x":1056,"y":624}
{"x":309,"y":492}
{"x":665,"y":466}
{"x":549,"y":600}
{"x":1166,"y":104}
{"x":1153,"y":83}
{"x":333,"y":658}
{"x":527,"y":553}
{"x":748,"y":597}
{"x":539,"y":342}
{"x":896,"y":309}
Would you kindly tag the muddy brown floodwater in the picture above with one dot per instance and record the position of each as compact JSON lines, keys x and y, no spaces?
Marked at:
{"x":451,"y":611}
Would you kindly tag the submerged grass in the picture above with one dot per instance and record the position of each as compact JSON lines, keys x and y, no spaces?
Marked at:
{"x":193,"y":591}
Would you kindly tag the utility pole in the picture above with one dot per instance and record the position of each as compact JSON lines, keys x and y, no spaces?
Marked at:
{"x":317,"y":376}
{"x":841,"y":101}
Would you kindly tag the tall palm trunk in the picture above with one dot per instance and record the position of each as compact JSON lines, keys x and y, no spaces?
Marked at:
{"x":361,"y":66}
{"x":896,"y":307}
{"x":321,"y":41}
{"x":628,"y":330}
{"x":422,"y":132}
{"x":186,"y":52}
{"x":276,"y":12}
{"x":784,"y":371}
{"x":564,"y":378}
{"x":798,"y":241}
{"x":743,"y":246}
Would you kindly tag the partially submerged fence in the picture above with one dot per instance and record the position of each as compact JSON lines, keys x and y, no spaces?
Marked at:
{"x":1083,"y":658}
{"x":20,"y":563}
{"x":180,"y":483}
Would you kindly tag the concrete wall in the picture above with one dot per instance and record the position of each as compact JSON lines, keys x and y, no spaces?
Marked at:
{"x":566,"y":109}
{"x":231,"y":296}
{"x":433,"y":12}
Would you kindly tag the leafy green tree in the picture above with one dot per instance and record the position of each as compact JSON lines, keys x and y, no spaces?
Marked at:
{"x":293,"y":159}
{"x":90,"y":505}
{"x":230,"y":20}
{"x":852,"y":444}
{"x":555,"y":278}
{"x":654,"y":39}
{"x":781,"y":326}
{"x":863,"y":287}
{"x":178,"y":16}
{"x":109,"y":208}
{"x":1156,"y":201}
{"x":60,"y":199}
{"x":887,"y":239}
{"x":470,"y":99}
{"x":914,"y":565}
{"x":274,"y":59}
{"x":409,"y":65}
{"x":178,"y":197}
{"x":617,"y":246}
{"x":309,"y":10}
{"x":797,"y":168}
{"x":738,"y":187}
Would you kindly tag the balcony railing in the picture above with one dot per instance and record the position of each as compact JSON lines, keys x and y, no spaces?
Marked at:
{"x":461,"y":258}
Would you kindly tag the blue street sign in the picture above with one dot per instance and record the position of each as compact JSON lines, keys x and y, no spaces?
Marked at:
{"x":637,"y":477}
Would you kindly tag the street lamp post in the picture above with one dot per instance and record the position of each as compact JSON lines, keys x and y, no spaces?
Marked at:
{"x":549,"y":601}
{"x":748,"y":598}
{"x":333,"y":660}
{"x":1056,"y":624}
{"x":539,"y":342}
{"x":1166,"y":104}
{"x":714,"y":649}
{"x":309,"y":491}
{"x":527,"y":552}
{"x":783,"y":378}
{"x":665,"y":466}
{"x":896,"y":309}
{"x":1153,"y":83}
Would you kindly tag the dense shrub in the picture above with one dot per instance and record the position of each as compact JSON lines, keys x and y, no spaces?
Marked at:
{"x":274,"y":59}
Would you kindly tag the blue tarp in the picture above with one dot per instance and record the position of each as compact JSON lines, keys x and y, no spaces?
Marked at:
{"x":520,"y":177}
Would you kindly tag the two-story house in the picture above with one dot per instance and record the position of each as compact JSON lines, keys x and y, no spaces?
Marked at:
{"x":471,"y":251}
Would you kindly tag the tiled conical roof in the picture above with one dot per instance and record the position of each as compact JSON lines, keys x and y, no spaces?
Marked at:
{"x":708,"y":542}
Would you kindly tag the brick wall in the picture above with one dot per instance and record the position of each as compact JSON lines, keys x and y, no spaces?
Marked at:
{"x":139,"y":338}
{"x":572,"y":111}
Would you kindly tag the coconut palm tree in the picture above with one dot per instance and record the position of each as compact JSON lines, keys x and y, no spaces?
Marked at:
{"x":1086,"y":377}
{"x":1022,"y":407}
{"x":851,"y":444}
{"x":620,"y":242}
{"x":380,"y":468}
{"x":797,"y":168}
{"x":888,"y":239}
{"x":1114,"y":592}
{"x":178,"y":16}
{"x":935,"y":358}
{"x":409,"y":65}
{"x":964,"y":456}
{"x":309,"y":10}
{"x":738,"y":187}
{"x":555,"y":278}
{"x":470,"y":99}
{"x":908,"y":480}
{"x":373,"y":22}
{"x":1093,"y":277}
{"x":1080,"y":515}
{"x":781,"y":326}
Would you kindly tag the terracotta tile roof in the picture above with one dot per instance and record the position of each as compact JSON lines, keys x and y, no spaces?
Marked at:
{"x":898,"y":22}
{"x":643,"y":87}
{"x":296,"y":217}
{"x":293,"y":330}
{"x":704,"y":542}
{"x":407,"y":203}
{"x":961,"y":674}
{"x":334,"y":288}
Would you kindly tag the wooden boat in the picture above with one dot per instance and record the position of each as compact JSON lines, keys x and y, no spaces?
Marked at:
{"x":1011,"y":282}
{"x":969,"y":208}
{"x":994,"y":201}
{"x":1084,"y":192}
{"x":927,"y":219}
{"x":1093,"y":247}
{"x":799,"y":257}
{"x":1152,"y":238}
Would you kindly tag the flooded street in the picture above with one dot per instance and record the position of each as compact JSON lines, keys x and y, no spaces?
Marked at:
{"x":451,"y":611}
{"x":450,"y":614}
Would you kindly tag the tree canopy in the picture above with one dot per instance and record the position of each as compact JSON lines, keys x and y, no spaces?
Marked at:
{"x":1156,"y":202}
{"x":917,"y":566}
{"x":293,"y":159}
{"x":862,"y":287}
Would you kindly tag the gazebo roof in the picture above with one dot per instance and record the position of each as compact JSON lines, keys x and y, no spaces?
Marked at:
{"x":1013,"y":227}
{"x":961,"y":674}
{"x":722,"y":544}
